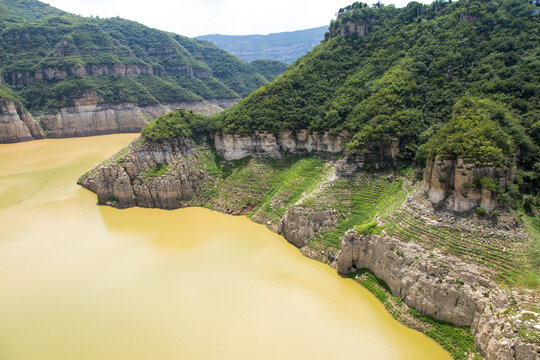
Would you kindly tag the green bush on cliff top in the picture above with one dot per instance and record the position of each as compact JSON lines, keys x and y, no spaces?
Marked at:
{"x":177,"y":124}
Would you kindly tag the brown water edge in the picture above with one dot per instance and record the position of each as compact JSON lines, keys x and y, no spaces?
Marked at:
{"x":81,"y":281}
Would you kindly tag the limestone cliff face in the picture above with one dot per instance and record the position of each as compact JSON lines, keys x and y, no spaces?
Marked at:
{"x":16,"y":124}
{"x":90,"y":116}
{"x":123,"y":70}
{"x":451,"y":182}
{"x":127,"y":179}
{"x":124,"y":182}
{"x":440,"y":286}
{"x":237,"y":146}
{"x":434,"y":285}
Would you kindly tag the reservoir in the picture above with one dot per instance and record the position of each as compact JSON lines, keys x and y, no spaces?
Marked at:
{"x":81,"y":281}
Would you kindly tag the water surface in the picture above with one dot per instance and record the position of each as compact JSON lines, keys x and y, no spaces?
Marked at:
{"x":80,"y":281}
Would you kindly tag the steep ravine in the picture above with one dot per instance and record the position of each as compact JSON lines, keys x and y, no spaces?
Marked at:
{"x":299,"y":201}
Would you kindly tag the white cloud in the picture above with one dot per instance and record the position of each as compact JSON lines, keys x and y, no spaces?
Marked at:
{"x":200,"y":17}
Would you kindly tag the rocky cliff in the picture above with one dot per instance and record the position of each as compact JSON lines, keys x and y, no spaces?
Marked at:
{"x":262,"y":143}
{"x":90,"y":116}
{"x":440,"y":286}
{"x":458,"y":185}
{"x":123,"y":180}
{"x":16,"y":124}
{"x":301,"y":225}
{"x":154,"y":174}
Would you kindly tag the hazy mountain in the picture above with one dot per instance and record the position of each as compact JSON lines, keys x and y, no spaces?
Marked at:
{"x":284,"y":46}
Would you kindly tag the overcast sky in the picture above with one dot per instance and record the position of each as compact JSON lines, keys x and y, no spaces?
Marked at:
{"x":230,"y":17}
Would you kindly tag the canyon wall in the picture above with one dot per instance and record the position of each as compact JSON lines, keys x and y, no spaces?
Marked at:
{"x":261,"y":143}
{"x":122,"y":70}
{"x":441,"y":286}
{"x":89,"y":116}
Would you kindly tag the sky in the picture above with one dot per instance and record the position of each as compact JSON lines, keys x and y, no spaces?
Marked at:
{"x":230,"y":17}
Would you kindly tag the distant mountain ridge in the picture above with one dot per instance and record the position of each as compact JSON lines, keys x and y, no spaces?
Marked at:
{"x":284,"y":46}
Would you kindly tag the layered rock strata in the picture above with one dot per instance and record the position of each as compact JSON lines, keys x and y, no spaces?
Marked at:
{"x":88,"y":117}
{"x":454,"y":184}
{"x":16,"y":124}
{"x":440,"y":286}
{"x":262,"y":143}
{"x":433,"y":283}
{"x":301,"y":225}
{"x":127,"y":180}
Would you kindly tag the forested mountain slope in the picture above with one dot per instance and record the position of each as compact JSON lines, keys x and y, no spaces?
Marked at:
{"x":86,"y":76}
{"x":386,"y":75}
{"x":50,"y":57}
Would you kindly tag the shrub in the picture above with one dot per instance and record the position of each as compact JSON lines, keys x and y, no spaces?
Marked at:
{"x":480,"y":211}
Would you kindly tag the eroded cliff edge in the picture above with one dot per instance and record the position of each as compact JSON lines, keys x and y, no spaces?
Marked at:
{"x":445,"y":268}
{"x":89,"y":116}
{"x":16,"y":124}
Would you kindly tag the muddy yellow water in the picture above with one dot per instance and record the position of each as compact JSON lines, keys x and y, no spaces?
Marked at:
{"x":80,"y":281}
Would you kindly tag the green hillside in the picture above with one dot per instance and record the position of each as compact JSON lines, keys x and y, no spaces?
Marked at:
{"x":49,"y":57}
{"x":402,"y":79}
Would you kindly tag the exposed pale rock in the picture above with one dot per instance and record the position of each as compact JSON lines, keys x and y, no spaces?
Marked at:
{"x":16,"y":124}
{"x":451,"y":182}
{"x":90,"y":116}
{"x":261,"y":143}
{"x":440,"y":286}
{"x":300,"y":225}
{"x":123,"y":181}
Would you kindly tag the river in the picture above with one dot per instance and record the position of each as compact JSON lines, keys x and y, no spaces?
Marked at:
{"x":81,"y":281}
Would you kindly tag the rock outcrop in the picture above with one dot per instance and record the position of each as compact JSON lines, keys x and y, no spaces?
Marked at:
{"x":131,"y":177}
{"x":119,"y":70}
{"x":16,"y":124}
{"x":440,"y":286}
{"x":260,"y":143}
{"x":456,"y":184}
{"x":301,"y":225}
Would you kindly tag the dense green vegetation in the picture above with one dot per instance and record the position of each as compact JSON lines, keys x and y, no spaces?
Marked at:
{"x":50,"y":57}
{"x":284,"y":46}
{"x":402,"y":80}
{"x":482,"y":130}
{"x":176,"y":124}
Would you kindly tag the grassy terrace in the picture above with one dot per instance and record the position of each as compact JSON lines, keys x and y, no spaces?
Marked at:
{"x":503,"y":256}
{"x":302,"y":175}
{"x":359,"y":199}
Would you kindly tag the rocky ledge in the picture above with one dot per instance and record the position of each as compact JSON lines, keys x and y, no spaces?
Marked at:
{"x":441,"y":286}
{"x":16,"y":124}
{"x":264,"y":143}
